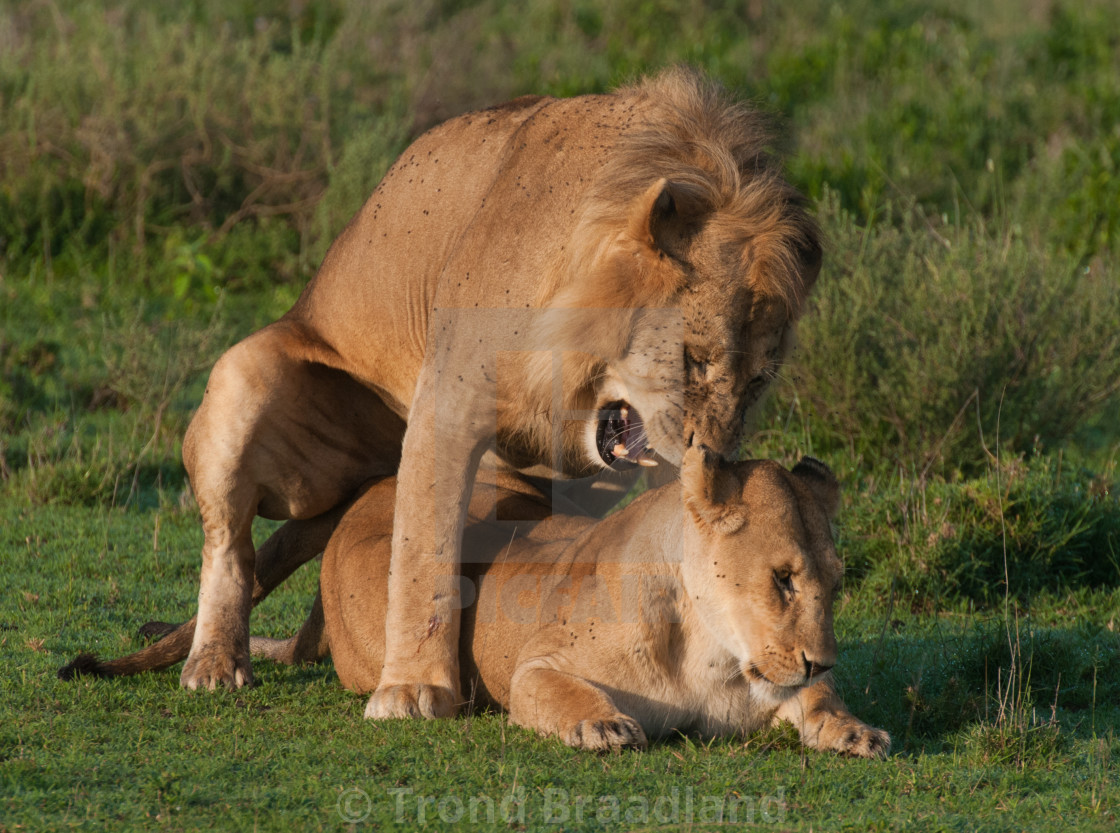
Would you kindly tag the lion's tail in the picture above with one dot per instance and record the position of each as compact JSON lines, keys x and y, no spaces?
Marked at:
{"x":307,"y":646}
{"x":293,"y":544}
{"x":173,"y":648}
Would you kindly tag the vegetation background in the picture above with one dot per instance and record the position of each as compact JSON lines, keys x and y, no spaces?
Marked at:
{"x":170,"y":176}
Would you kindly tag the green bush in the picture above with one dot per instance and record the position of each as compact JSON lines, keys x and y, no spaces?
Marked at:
{"x":118,"y":121}
{"x":108,"y":141}
{"x":925,"y":341}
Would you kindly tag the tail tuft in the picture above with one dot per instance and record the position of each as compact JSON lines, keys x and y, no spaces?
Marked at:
{"x":84,"y":664}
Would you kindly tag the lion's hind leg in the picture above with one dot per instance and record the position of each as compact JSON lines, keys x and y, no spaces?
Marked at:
{"x":282,"y":434}
{"x":292,"y":545}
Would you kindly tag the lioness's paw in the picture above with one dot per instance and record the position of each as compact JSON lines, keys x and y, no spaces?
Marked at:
{"x":428,"y":701}
{"x":212,"y":668}
{"x":861,"y":740}
{"x":618,"y":732}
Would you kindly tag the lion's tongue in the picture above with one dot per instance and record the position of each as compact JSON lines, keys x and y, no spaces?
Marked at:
{"x":632,"y":440}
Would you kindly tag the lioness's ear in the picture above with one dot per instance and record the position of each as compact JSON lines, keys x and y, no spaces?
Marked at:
{"x":662,"y":217}
{"x":821,"y":482}
{"x":707,"y":488}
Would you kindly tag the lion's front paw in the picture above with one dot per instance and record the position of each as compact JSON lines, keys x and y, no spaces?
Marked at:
{"x":419,"y":700}
{"x":861,"y":740}
{"x":618,"y":732}
{"x":211,"y":667}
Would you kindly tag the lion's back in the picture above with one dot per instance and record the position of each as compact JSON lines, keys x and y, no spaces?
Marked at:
{"x":381,"y":273}
{"x":454,"y":222}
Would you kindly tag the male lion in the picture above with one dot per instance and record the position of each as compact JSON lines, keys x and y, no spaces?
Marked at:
{"x":575,"y":283}
{"x":716,"y":619}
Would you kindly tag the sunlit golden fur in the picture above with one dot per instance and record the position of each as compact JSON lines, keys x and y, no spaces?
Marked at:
{"x":518,"y":273}
{"x":739,"y":219}
{"x":714,"y":150}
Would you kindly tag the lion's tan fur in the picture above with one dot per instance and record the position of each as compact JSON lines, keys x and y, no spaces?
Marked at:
{"x":662,"y":617}
{"x":516,"y":271}
{"x":716,"y":151}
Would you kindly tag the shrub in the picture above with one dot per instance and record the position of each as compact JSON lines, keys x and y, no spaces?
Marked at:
{"x":926,"y":341}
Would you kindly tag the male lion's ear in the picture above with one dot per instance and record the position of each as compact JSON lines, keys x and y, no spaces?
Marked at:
{"x":707,"y":488}
{"x":663,"y":216}
{"x":821,"y":482}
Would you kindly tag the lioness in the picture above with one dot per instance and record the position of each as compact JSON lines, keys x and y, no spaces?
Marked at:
{"x":716,"y":619}
{"x":576,"y":284}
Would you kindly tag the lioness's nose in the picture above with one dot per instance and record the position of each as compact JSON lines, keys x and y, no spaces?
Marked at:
{"x":815,"y":669}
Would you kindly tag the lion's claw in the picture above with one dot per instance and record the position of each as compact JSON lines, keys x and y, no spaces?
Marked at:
{"x":212,"y":668}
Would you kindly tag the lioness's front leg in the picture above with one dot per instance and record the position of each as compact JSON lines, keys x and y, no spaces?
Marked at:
{"x":824,"y":722}
{"x":579,"y":713}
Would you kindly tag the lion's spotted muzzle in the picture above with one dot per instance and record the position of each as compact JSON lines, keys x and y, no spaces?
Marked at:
{"x":621,"y":436}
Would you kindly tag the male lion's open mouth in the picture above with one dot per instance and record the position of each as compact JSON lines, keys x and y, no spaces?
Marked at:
{"x":622,"y":435}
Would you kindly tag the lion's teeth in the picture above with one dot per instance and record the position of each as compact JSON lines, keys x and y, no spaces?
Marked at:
{"x":620,"y":450}
{"x":643,"y":460}
{"x":625,"y":412}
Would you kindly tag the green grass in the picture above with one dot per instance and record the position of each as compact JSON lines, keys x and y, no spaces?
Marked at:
{"x":170,"y":175}
{"x":979,"y":737}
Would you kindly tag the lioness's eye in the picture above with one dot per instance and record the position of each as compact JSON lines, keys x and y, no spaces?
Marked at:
{"x":784,"y":580}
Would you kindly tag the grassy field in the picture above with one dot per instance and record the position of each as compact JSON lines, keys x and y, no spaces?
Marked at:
{"x":169,"y":178}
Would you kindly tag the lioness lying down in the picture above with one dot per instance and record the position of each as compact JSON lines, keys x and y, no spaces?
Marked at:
{"x":716,"y":619}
